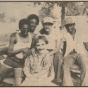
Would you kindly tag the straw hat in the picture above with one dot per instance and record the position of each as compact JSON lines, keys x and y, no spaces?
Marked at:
{"x":68,"y":21}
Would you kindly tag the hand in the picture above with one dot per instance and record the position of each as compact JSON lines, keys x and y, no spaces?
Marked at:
{"x":13,"y":34}
{"x":26,"y":52}
{"x":86,"y":45}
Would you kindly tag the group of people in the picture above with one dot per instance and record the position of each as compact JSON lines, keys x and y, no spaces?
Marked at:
{"x":37,"y":56}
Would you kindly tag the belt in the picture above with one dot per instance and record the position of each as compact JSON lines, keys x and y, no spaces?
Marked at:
{"x":16,"y":59}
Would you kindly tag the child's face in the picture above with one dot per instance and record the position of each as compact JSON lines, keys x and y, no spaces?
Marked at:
{"x":41,"y":46}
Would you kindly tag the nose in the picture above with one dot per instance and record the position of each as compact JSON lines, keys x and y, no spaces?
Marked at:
{"x":26,"y":30}
{"x":47,"y":26}
{"x":40,"y":47}
{"x":33,"y":24}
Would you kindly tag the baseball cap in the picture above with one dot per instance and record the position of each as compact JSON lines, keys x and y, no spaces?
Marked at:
{"x":48,"y":20}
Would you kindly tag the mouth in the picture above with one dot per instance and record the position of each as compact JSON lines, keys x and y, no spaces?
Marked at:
{"x":26,"y":33}
{"x":47,"y":29}
{"x":32,"y":27}
{"x":41,"y":49}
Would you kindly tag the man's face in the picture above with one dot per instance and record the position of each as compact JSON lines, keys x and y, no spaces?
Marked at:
{"x":24,"y":29}
{"x":48,"y":27}
{"x":32,"y":25}
{"x":40,"y":46}
{"x":71,"y":28}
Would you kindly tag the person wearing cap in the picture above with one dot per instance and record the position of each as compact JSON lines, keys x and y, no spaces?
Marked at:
{"x":72,"y":55}
{"x":53,"y":47}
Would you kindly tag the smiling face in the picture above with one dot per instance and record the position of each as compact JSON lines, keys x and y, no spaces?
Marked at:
{"x":32,"y":25}
{"x":41,"y":46}
{"x":71,"y":28}
{"x":48,"y":27}
{"x":24,"y":29}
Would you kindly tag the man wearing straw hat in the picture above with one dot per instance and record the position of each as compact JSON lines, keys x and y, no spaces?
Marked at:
{"x":72,"y":55}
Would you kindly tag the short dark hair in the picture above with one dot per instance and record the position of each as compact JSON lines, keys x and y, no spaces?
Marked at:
{"x":42,"y":38}
{"x":22,"y":22}
{"x":33,"y":16}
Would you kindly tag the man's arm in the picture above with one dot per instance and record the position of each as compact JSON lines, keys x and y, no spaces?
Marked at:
{"x":3,"y":50}
{"x":33,"y":40}
{"x":58,"y":46}
{"x":11,"y":46}
{"x":86,"y":45}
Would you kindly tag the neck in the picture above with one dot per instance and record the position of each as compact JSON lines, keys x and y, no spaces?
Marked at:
{"x":47,"y":33}
{"x":73,"y":35}
{"x":24,"y":36}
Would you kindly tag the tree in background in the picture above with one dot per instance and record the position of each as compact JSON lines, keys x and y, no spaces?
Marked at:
{"x":2,"y":16}
{"x":67,"y":8}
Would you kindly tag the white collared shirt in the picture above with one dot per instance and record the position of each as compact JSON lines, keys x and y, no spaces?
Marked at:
{"x":53,"y":39}
{"x":73,"y":44}
{"x":70,"y":43}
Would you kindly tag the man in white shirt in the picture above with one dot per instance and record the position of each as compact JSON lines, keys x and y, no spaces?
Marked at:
{"x":53,"y":46}
{"x":72,"y":55}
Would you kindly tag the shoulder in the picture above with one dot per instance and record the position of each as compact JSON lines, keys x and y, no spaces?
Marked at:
{"x":32,"y":35}
{"x":42,"y":31}
{"x":39,"y":34}
{"x":57,"y":36}
{"x":13,"y":38}
{"x":13,"y":34}
{"x":63,"y":39}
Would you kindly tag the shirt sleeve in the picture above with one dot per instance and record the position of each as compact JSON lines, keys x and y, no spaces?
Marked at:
{"x":59,"y":38}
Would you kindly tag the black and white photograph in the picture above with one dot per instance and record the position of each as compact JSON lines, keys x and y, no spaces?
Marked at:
{"x":43,"y":43}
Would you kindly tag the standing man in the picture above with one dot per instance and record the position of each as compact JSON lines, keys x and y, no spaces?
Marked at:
{"x":53,"y":46}
{"x":72,"y":55}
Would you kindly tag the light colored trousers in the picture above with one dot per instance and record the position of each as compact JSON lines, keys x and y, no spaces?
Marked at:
{"x":70,"y":60}
{"x":41,"y":81}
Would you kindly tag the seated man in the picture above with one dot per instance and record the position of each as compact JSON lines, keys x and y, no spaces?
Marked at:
{"x":72,"y":55}
{"x":36,"y":72}
{"x":3,"y":51}
{"x":18,"y":46}
{"x":54,"y":46}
